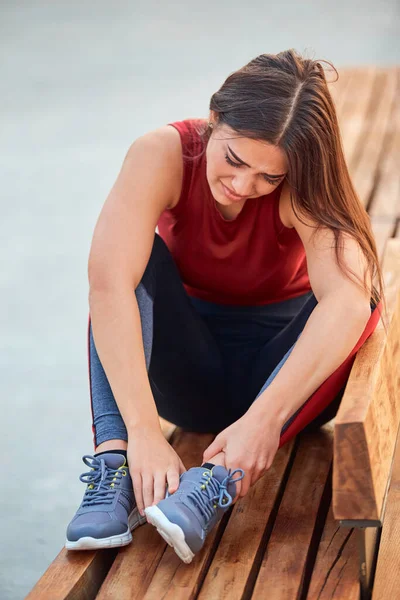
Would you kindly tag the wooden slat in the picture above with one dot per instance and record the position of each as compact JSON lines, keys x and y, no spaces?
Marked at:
{"x":368,"y":538}
{"x":173,"y":580}
{"x":230,"y":571}
{"x":135,"y":566}
{"x":355,"y":109}
{"x":78,"y":575}
{"x":284,"y":565}
{"x":385,"y":202}
{"x":376,"y":131}
{"x":382,"y":228}
{"x":338,"y":89}
{"x":336,"y":570}
{"x":386,"y":199}
{"x":387,"y":578}
{"x":73,"y":576}
{"x":368,"y":417}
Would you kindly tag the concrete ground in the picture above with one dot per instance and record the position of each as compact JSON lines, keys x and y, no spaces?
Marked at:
{"x":80,"y":81}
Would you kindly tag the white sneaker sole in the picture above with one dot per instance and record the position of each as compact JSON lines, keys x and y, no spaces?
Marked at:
{"x":172,"y":533}
{"x":122,"y":539}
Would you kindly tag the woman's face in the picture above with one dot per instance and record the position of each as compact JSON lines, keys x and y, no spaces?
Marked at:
{"x":265,"y":167}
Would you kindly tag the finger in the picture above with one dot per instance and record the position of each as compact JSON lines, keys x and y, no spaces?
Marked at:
{"x":137,"y":490}
{"x":257,"y":474}
{"x":214,"y":448}
{"x":159,"y":487}
{"x":182,"y":468}
{"x":148,"y":489}
{"x":245,"y":484}
{"x":238,"y":490}
{"x":218,"y":459}
{"x":173,"y":481}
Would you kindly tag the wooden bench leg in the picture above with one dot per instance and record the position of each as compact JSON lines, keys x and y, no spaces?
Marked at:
{"x":368,"y":545}
{"x":368,"y":537}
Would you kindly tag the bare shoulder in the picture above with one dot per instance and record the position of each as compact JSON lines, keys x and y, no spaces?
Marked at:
{"x":166,"y":135}
{"x":166,"y":141}
{"x":287,"y":214}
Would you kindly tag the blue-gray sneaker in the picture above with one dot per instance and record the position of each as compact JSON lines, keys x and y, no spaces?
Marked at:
{"x":185,"y":517}
{"x":108,"y":511}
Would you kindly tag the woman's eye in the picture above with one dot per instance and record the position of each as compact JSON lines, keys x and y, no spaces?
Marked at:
{"x":234,"y":164}
{"x":228,"y":160}
{"x":270,"y":180}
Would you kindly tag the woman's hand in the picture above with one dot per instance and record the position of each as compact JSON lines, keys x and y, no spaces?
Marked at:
{"x":249,"y":444}
{"x":153,"y":463}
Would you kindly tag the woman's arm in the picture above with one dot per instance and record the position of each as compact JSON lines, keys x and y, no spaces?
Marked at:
{"x":150,"y":181}
{"x":122,"y":242}
{"x":332,"y":330}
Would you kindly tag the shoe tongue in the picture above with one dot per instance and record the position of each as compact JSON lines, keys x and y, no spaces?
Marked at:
{"x":219,"y":472}
{"x":113,"y":461}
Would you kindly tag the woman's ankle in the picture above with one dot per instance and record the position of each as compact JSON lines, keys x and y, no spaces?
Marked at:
{"x":111,"y":445}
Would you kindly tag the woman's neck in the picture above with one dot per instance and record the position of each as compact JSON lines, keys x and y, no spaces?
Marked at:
{"x":231,"y":212}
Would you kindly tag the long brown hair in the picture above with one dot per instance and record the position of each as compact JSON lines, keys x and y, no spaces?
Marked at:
{"x":284,"y":99}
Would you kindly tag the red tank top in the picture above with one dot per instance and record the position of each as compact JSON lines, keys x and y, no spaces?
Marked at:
{"x":251,"y":260}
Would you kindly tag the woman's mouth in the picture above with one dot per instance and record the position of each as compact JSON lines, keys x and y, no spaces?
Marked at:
{"x":229,"y":194}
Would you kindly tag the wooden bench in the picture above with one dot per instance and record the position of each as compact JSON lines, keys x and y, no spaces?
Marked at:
{"x":323,"y":522}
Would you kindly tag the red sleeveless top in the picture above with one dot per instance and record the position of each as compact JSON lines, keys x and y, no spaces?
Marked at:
{"x":251,"y":260}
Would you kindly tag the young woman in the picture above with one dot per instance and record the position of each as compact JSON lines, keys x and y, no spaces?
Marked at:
{"x":243,"y":315}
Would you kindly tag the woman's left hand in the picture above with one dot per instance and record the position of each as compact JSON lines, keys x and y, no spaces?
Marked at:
{"x":250,"y":443}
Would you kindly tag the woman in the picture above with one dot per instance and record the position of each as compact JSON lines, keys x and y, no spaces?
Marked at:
{"x":249,"y":306}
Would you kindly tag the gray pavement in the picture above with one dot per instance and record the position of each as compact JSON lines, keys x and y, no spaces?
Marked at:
{"x":80,"y":81}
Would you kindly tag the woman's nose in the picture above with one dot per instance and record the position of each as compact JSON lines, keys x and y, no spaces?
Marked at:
{"x":242,"y":186}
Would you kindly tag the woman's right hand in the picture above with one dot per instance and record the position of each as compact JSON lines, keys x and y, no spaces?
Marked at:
{"x":153,"y":464}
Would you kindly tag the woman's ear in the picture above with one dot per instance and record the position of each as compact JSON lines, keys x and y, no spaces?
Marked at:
{"x":213,"y":118}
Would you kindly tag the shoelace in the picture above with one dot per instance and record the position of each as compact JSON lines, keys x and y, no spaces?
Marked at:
{"x":101,"y":481}
{"x":212,"y":490}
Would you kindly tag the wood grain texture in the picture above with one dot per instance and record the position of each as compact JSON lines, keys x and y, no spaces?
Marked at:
{"x":336,"y":571}
{"x":382,"y":228}
{"x":368,"y":418}
{"x":73,"y":576}
{"x":385,"y":202}
{"x":284,"y":564}
{"x":237,"y":554}
{"x":338,"y":89}
{"x":376,"y":134}
{"x":387,"y":578}
{"x":149,"y":557}
{"x":354,"y":112}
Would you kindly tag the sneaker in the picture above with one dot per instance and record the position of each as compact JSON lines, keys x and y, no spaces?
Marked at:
{"x":185,"y":517}
{"x":108,"y":511}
